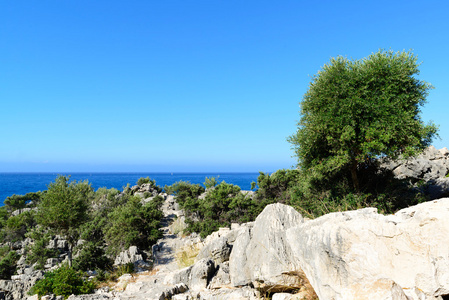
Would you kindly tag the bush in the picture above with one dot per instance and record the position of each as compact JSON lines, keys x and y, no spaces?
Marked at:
{"x":3,"y":216}
{"x":8,"y":259}
{"x":152,"y":183}
{"x":143,"y":180}
{"x":15,"y":202}
{"x":124,"y":269}
{"x":277,"y":186}
{"x":380,"y":190}
{"x":92,"y":256}
{"x":211,"y":182}
{"x":134,"y":224}
{"x":184,"y":190}
{"x":221,"y":206}
{"x":17,"y":226}
{"x":38,"y":251}
{"x":64,"y":281}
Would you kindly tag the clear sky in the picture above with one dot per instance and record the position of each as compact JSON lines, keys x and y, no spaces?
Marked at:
{"x":169,"y":86}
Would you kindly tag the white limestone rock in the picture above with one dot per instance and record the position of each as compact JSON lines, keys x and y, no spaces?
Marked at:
{"x":261,"y":255}
{"x":363,"y":255}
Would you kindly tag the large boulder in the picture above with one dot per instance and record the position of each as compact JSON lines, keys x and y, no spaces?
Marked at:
{"x":260,"y":254}
{"x":196,"y":277}
{"x":432,"y":167}
{"x":363,"y":255}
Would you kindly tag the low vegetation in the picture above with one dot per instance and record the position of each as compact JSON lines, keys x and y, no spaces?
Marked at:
{"x":106,"y":222}
{"x":63,"y":281}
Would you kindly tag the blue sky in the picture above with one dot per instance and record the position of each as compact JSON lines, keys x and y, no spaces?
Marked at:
{"x":170,"y":86}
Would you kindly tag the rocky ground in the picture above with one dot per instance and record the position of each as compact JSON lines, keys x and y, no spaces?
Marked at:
{"x":346,"y":255}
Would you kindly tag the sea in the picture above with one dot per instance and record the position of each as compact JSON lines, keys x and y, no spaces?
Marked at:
{"x":22,"y":183}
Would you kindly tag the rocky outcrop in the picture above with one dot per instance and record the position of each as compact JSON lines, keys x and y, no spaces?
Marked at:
{"x":347,"y":255}
{"x":146,"y":191}
{"x":18,"y":286}
{"x":262,"y":257}
{"x":363,"y":255}
{"x":431,"y":168}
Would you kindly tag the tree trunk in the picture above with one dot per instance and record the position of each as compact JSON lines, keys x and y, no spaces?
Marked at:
{"x":355,"y":180}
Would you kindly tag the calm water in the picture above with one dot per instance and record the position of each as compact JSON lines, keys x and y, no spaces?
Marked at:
{"x":22,"y":183}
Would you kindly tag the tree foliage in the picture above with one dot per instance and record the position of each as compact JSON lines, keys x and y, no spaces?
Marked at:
{"x":21,"y":201}
{"x":8,"y":259}
{"x":63,"y":208}
{"x":64,"y":281}
{"x":357,"y":110}
{"x":38,"y":252}
{"x":222,"y":205}
{"x":17,"y":226}
{"x":134,"y":223}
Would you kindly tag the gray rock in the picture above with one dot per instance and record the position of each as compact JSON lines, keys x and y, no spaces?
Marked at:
{"x":17,"y":289}
{"x":58,"y":243}
{"x":179,"y":276}
{"x":261,"y":255}
{"x":132,"y":255}
{"x":239,"y":273}
{"x":19,"y":211}
{"x":201,"y":274}
{"x":364,"y":255}
{"x":174,"y":290}
{"x":221,"y":278}
{"x":51,"y":262}
{"x":439,"y":188}
{"x":431,"y":166}
{"x":90,"y":297}
{"x":244,"y":293}
{"x":218,"y":249}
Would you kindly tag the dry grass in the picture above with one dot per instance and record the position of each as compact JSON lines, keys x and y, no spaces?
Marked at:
{"x":185,"y":256}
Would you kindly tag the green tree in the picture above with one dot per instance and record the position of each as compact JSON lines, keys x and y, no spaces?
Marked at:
{"x":64,"y":281}
{"x":358,"y":110}
{"x":210,"y":182}
{"x":21,"y":201}
{"x":17,"y":226}
{"x":8,"y":259}
{"x":133,"y":223}
{"x":63,"y":209}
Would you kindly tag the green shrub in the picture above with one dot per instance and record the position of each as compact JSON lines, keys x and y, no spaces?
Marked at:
{"x":152,"y":183}
{"x":134,"y":224}
{"x":17,"y":226}
{"x":4,"y":214}
{"x":38,"y":252}
{"x":211,"y":182}
{"x":106,"y":199}
{"x":379,"y":189}
{"x":8,"y":259}
{"x":143,"y":180}
{"x":184,"y":190}
{"x":277,"y":186}
{"x":92,"y":256}
{"x":64,"y":281}
{"x":124,"y":269}
{"x":223,"y":205}
{"x":15,"y":202}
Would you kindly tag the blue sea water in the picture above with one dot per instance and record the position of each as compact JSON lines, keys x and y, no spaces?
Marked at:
{"x":22,"y":183}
